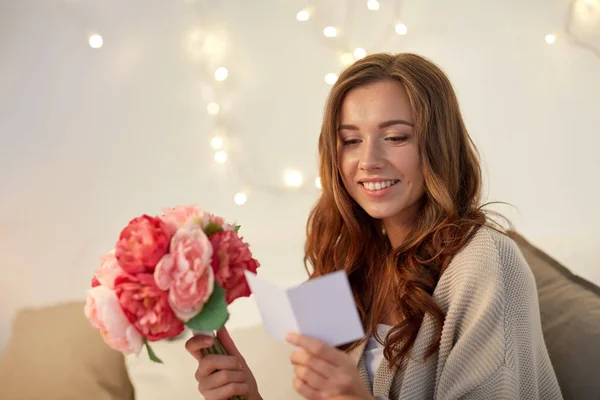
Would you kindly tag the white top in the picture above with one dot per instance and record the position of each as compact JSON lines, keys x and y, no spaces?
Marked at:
{"x":374,"y":350}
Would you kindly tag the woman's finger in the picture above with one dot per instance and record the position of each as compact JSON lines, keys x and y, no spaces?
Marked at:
{"x":196,"y":343}
{"x":221,"y":378}
{"x":305,"y":390}
{"x":214,"y":362}
{"x":302,"y":357}
{"x":225,"y":392}
{"x":315,"y":347}
{"x":313,"y":379}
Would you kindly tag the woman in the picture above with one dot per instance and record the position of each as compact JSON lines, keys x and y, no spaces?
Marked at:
{"x":447,"y":300}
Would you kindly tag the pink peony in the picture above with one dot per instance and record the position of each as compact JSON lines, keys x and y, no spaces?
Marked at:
{"x":176,"y":217}
{"x":231,"y":257}
{"x":147,"y":307}
{"x":103,"y":311}
{"x":109,"y":271}
{"x":142,"y":244}
{"x":186,"y":272}
{"x":208,"y":218}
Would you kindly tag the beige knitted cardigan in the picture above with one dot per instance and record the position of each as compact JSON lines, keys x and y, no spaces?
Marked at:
{"x":492,"y":345}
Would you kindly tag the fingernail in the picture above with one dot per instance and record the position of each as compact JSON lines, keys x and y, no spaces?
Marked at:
{"x":292,"y":337}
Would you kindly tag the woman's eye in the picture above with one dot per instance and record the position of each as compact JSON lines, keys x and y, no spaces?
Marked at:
{"x":350,"y":141}
{"x":398,"y":139}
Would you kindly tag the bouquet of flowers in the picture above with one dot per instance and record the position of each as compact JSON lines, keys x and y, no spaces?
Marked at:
{"x":166,"y":272}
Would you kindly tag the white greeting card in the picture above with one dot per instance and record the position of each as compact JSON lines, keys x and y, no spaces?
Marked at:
{"x":322,"y":308}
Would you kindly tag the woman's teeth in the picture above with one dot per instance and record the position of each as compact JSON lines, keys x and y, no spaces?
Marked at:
{"x":378,"y":185}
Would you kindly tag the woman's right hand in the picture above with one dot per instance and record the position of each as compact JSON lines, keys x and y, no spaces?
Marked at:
{"x":220,"y":377}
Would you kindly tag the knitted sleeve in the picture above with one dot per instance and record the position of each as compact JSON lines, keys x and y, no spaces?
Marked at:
{"x":495,"y":349}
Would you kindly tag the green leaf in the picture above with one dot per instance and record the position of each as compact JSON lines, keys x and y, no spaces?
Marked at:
{"x":214,"y":314}
{"x":151,"y":352}
{"x":212,"y":228}
{"x":237,"y":228}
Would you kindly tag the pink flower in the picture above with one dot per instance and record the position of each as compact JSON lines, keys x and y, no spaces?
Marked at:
{"x":147,"y":307}
{"x":103,"y":311}
{"x":178,"y":216}
{"x":109,"y":271}
{"x":142,"y":244}
{"x":208,"y":218}
{"x":186,"y":271}
{"x":231,"y":257}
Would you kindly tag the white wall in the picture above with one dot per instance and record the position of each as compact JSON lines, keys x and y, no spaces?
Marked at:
{"x":91,"y":138}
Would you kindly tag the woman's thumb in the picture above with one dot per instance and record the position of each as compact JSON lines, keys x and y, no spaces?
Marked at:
{"x":227,"y":342}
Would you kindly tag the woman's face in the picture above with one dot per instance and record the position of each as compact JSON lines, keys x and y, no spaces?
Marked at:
{"x":377,"y":153}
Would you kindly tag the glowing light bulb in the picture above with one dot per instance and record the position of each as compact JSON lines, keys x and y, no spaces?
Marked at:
{"x":293,"y":178}
{"x":221,"y":157}
{"x":401,"y":29}
{"x":213,"y":108}
{"x":550,"y":38}
{"x":302,"y":16}
{"x":217,"y":142}
{"x":359,"y":53}
{"x":318,"y":183}
{"x":96,"y":41}
{"x":240,"y":198}
{"x":330,"y":32}
{"x":221,"y":74}
{"x":330,"y":78}
{"x":347,"y":58}
{"x":373,"y":5}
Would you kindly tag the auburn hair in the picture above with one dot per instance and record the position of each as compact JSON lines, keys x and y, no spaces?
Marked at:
{"x":342,"y":236}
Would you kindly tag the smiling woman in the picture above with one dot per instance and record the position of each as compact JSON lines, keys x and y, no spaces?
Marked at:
{"x":446,"y":298}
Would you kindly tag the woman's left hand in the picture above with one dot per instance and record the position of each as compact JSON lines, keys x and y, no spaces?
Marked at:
{"x":323,"y":372}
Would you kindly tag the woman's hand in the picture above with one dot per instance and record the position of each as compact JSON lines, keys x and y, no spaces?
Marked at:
{"x":324,"y":372}
{"x":221,"y":377}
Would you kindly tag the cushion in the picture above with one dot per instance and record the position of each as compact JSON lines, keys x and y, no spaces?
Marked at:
{"x":570,"y":313}
{"x":53,"y":353}
{"x":268,"y":359}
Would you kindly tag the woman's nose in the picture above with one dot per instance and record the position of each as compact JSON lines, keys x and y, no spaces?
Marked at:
{"x":371,"y":157}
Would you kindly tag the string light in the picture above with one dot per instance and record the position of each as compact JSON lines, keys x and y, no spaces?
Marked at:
{"x":95,"y":41}
{"x":373,"y":5}
{"x":330,"y":78}
{"x":293,"y":178}
{"x":303,"y":15}
{"x":240,"y":198}
{"x":401,"y":29}
{"x":330,"y":32}
{"x":359,"y":53}
{"x":220,"y":157}
{"x":347,"y":58}
{"x":221,"y":74}
{"x":213,"y":108}
{"x":217,"y":142}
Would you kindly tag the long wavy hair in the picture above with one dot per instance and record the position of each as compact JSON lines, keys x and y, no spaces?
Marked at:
{"x":341,"y":235}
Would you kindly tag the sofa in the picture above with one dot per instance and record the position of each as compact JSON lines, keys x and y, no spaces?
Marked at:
{"x":53,"y":353}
